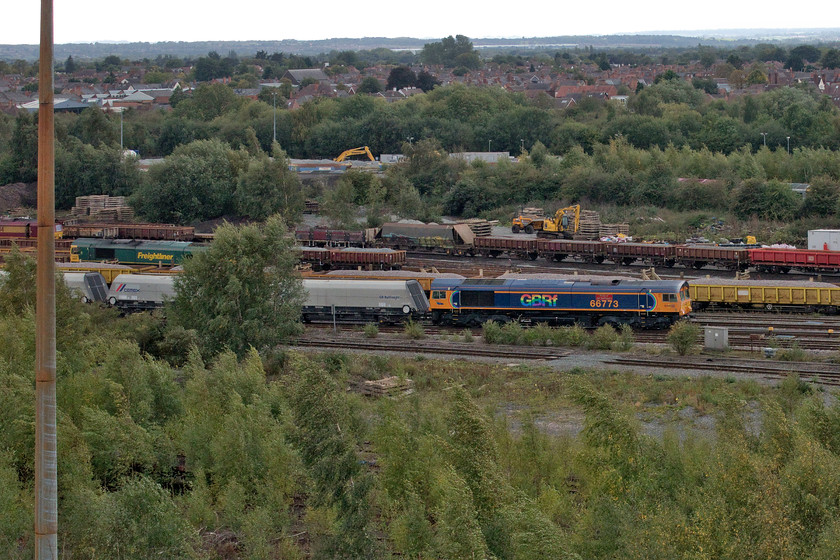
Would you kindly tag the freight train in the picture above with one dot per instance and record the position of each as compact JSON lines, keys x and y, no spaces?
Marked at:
{"x":457,"y":240}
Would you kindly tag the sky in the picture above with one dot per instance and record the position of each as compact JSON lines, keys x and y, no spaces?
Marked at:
{"x":207,"y":20}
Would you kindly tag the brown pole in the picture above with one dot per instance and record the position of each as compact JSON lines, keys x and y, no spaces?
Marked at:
{"x":46,"y":450}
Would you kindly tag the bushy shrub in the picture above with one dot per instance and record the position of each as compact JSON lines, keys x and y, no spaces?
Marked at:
{"x":603,"y":338}
{"x":491,"y":331}
{"x":414,"y":330}
{"x":571,"y":336}
{"x":467,"y":336}
{"x":512,"y":334}
{"x":539,"y":335}
{"x":625,"y":339}
{"x":371,"y":330}
{"x":683,"y":337}
{"x":793,"y":354}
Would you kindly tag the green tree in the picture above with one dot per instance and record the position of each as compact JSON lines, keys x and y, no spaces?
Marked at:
{"x":400,"y":77}
{"x":806,"y":52}
{"x":831,"y":58}
{"x":196,"y":182}
{"x":709,"y":85}
{"x":209,"y":101}
{"x":243,"y":291}
{"x":768,"y":200}
{"x":426,"y":81}
{"x":757,"y":75}
{"x":268,"y":187}
{"x":95,"y":128}
{"x":370,"y":85}
{"x":324,"y":436}
{"x":70,"y":65}
{"x":822,"y":197}
{"x":340,"y":204}
{"x":451,"y":52}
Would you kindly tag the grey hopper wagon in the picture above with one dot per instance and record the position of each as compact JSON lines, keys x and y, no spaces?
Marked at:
{"x":362,"y":301}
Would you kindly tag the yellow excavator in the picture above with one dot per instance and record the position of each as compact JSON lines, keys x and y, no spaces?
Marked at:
{"x":360,"y":151}
{"x":565,"y":223}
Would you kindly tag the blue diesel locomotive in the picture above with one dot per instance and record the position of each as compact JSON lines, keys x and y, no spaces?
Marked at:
{"x":642,"y":304}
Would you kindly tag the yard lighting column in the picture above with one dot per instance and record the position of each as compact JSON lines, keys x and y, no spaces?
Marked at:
{"x":46,"y":449}
{"x":121,"y":131}
{"x":764,"y":135}
{"x":788,"y":142}
{"x":488,"y":145}
{"x":410,"y":140}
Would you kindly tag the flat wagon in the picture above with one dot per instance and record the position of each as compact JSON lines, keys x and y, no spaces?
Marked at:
{"x":784,"y":260}
{"x":453,"y":239}
{"x":385,"y":259}
{"x":560,"y":249}
{"x":131,"y":231}
{"x":322,"y":237}
{"x":651,"y":253}
{"x":698,"y":256}
{"x":515,"y":247}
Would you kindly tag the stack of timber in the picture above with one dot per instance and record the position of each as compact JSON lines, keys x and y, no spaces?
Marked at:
{"x":608,"y":230}
{"x":533,"y":212}
{"x":478,"y":226}
{"x":590,"y":225}
{"x":388,"y":387}
{"x":102,"y":207}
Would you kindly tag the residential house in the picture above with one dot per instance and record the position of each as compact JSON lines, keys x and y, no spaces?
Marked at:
{"x":298,"y":76}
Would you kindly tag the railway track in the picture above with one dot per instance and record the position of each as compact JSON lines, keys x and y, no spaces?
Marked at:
{"x":739,"y":337}
{"x":433,"y":347}
{"x":825,"y":374}
{"x":468,"y":266}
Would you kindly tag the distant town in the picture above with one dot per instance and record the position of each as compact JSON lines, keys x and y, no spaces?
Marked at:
{"x":559,"y":76}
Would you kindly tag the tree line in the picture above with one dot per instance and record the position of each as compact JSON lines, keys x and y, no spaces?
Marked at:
{"x":217,"y":149}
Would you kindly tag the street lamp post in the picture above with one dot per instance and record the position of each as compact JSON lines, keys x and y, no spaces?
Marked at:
{"x":488,"y":145}
{"x":274,"y":102}
{"x":788,"y":144}
{"x":764,"y":135}
{"x":121,"y":129}
{"x":410,"y":140}
{"x":522,"y":144}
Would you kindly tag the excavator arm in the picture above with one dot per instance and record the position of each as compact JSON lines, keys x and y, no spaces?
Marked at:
{"x":360,"y":151}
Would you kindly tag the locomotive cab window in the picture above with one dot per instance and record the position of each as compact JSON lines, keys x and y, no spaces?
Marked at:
{"x":669,"y":298}
{"x":438,"y":294}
